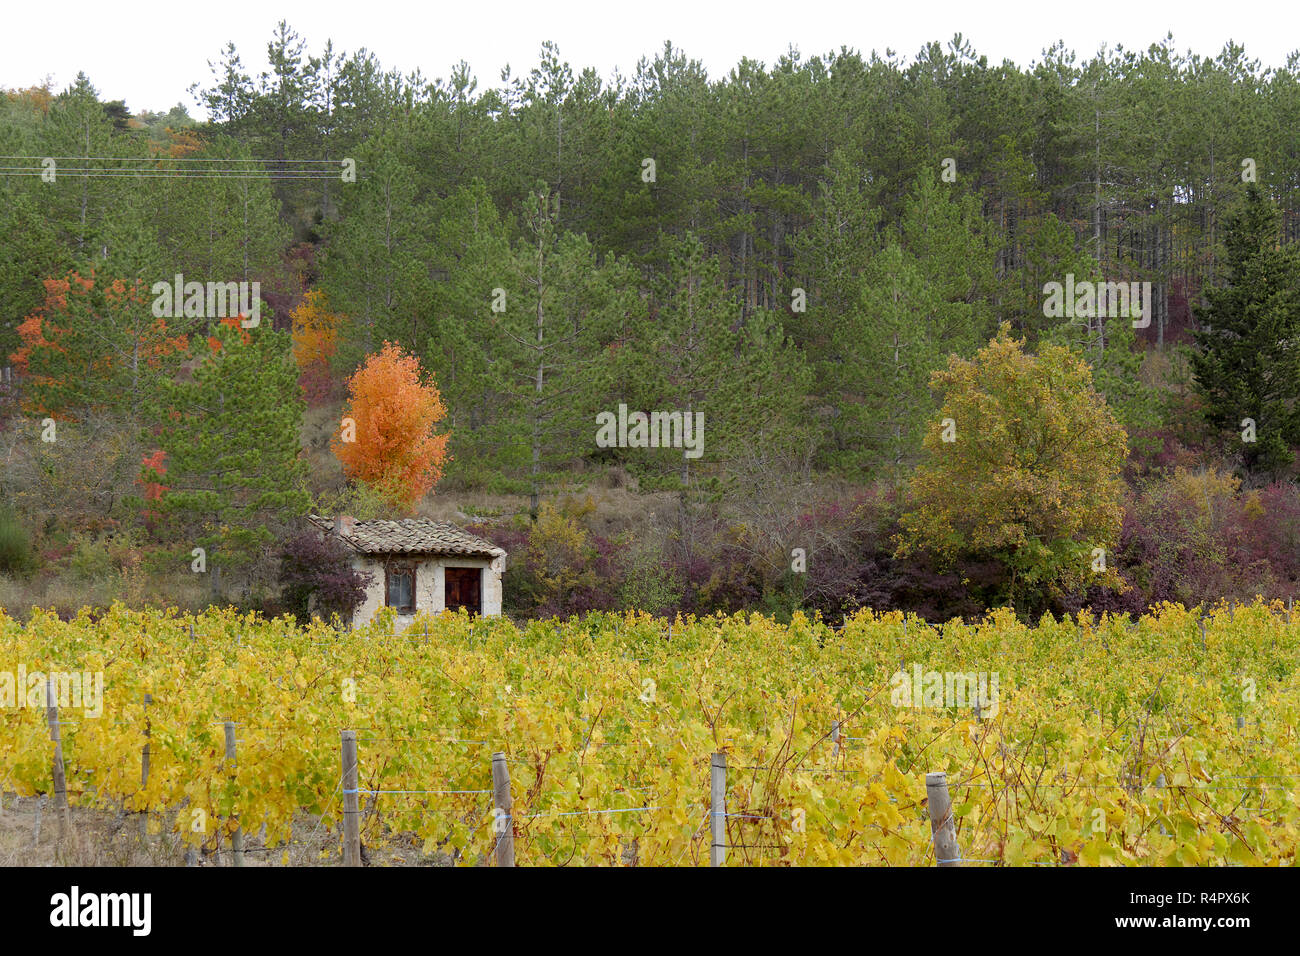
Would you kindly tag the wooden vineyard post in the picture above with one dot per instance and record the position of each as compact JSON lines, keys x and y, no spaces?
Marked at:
{"x":835,"y":738}
{"x":718,"y":810}
{"x":144,"y":769}
{"x":60,"y":781}
{"x":36,"y":828}
{"x":946,"y":852}
{"x":237,"y":840}
{"x":351,"y":811}
{"x":503,"y":801}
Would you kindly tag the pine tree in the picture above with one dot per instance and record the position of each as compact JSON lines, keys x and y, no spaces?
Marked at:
{"x":955,"y":248}
{"x":830,"y":257}
{"x":234,"y":477}
{"x":928,"y":293}
{"x":695,"y":356}
{"x":30,"y":254}
{"x":901,"y":330}
{"x":97,"y":346}
{"x":376,"y":263}
{"x":82,"y":135}
{"x":547,"y":356}
{"x":220,"y":228}
{"x":468,"y":246}
{"x":1248,"y":361}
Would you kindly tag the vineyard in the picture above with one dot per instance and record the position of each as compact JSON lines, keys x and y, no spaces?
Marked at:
{"x":1170,"y":741}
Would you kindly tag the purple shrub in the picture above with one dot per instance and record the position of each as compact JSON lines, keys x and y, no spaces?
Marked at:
{"x":312,"y":563}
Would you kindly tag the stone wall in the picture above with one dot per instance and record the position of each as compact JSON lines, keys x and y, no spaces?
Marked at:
{"x":430,"y":593}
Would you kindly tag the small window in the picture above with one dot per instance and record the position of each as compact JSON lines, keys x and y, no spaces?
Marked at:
{"x":401,"y":589}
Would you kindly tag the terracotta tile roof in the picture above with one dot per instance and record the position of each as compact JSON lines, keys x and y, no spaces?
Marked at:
{"x":410,"y":536}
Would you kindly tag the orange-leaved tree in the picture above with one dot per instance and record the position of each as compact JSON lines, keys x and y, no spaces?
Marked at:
{"x":95,"y":343}
{"x":153,"y":490}
{"x":235,"y":322}
{"x":386,"y":438}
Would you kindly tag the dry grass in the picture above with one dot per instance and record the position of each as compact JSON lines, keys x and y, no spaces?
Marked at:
{"x":67,"y":595}
{"x":611,"y":510}
{"x":106,"y":837}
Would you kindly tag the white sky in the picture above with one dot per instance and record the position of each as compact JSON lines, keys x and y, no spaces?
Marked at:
{"x":148,"y":53}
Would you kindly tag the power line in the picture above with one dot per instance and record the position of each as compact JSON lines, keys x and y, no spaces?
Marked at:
{"x":171,"y":159}
{"x":147,"y":174}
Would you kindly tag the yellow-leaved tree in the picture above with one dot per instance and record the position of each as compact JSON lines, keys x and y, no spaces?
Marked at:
{"x":1023,"y":469}
{"x":315,"y":329}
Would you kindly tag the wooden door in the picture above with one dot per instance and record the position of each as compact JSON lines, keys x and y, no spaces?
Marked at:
{"x":463,"y":588}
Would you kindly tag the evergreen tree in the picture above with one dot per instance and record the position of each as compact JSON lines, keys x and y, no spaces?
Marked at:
{"x":1248,"y":361}
{"x":232,"y":474}
{"x":695,"y":356}
{"x":547,"y":359}
{"x":82,"y":200}
{"x":97,"y":345}
{"x":955,"y":248}
{"x":220,"y":228}
{"x":830,"y":257}
{"x":30,"y":254}
{"x":467,"y":248}
{"x":899,"y":333}
{"x":376,"y":263}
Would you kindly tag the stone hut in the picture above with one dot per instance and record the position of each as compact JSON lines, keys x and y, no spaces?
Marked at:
{"x":418,"y":565}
